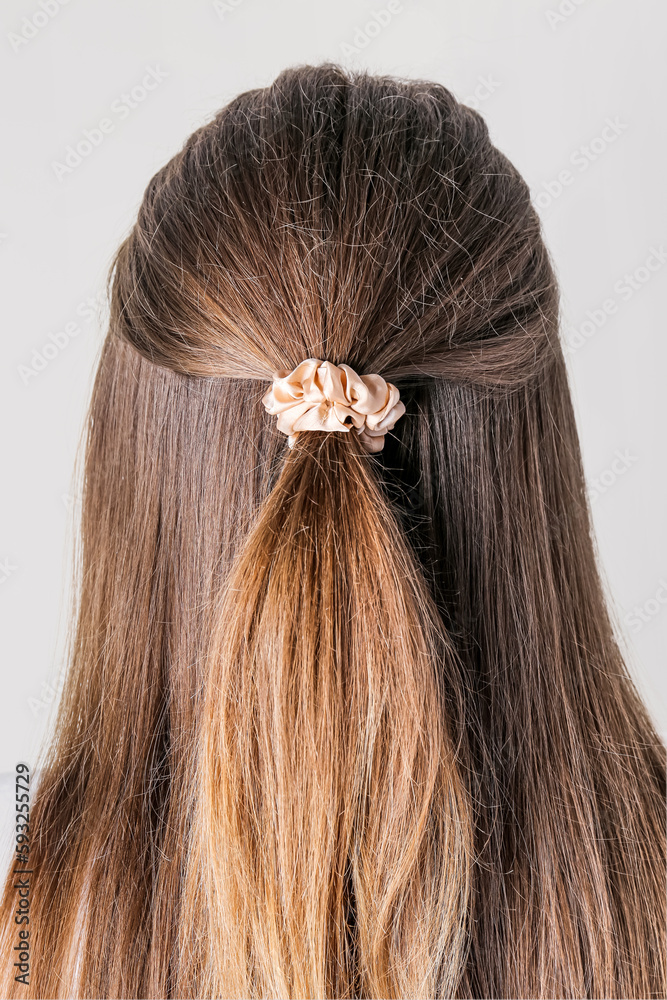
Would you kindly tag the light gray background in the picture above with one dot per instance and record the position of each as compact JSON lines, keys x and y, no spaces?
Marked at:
{"x":549,"y":77}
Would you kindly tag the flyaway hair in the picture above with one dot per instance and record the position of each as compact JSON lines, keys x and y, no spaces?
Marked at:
{"x":340,"y":724}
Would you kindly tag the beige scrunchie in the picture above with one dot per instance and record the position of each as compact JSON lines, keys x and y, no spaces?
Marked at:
{"x":321,"y":396}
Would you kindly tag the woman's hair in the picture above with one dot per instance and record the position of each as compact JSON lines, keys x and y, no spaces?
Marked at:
{"x":338,"y":724}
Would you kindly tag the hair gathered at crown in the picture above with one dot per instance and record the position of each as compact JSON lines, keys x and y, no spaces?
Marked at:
{"x":339,"y":725}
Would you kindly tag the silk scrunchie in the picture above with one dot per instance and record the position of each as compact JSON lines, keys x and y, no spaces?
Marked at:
{"x":321,"y":396}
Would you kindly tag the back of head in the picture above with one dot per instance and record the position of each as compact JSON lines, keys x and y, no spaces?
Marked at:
{"x":342,"y":724}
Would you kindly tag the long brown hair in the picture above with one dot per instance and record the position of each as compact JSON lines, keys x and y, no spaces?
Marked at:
{"x":340,"y":725}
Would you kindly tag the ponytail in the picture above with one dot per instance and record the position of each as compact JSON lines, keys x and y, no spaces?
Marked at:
{"x":303,"y":749}
{"x":333,"y":828}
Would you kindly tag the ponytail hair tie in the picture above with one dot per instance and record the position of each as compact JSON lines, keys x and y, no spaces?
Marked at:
{"x":321,"y":396}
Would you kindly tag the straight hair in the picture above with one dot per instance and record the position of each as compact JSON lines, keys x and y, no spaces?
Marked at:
{"x":341,"y":725}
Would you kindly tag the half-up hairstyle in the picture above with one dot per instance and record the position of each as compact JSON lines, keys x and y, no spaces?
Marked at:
{"x":341,"y":725}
